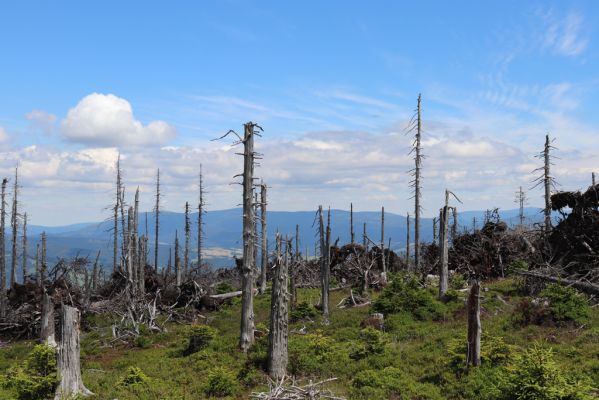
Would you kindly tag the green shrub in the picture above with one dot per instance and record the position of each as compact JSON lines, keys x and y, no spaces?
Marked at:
{"x":200,"y":337}
{"x":404,"y":294}
{"x":494,"y":352}
{"x":133,"y":377}
{"x":535,"y":376}
{"x":314,"y":354}
{"x":38,"y":377}
{"x":303,"y":311}
{"x":566,"y":304}
{"x":221,"y":383}
{"x":391,"y":383}
{"x":224,"y":287}
{"x":457,"y":281}
{"x":142,"y":342}
{"x":372,"y":342}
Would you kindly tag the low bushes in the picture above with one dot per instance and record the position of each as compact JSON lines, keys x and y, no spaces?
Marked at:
{"x":37,"y":378}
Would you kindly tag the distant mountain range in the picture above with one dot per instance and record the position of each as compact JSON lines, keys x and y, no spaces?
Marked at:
{"x":223,"y":232}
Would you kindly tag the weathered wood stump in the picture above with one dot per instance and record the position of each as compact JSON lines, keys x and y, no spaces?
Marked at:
{"x":69,"y":365}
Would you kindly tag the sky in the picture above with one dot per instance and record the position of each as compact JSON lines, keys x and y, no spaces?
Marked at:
{"x":333,"y":84}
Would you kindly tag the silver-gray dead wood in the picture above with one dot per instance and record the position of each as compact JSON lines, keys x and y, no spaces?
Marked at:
{"x":279,"y":315}
{"x":69,"y":364}
{"x":47,"y":330}
{"x":474,"y":326}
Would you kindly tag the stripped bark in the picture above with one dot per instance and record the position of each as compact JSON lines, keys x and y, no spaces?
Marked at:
{"x":279,"y":316}
{"x":326,"y":268}
{"x":69,"y":364}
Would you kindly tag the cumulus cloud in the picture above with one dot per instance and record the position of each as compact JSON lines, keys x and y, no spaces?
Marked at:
{"x":108,"y":120}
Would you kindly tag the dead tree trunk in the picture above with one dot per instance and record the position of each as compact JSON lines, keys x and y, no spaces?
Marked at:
{"x":200,"y":219}
{"x":474,"y":326}
{"x":177,"y":261}
{"x":546,"y":180}
{"x":37,"y":264}
{"x":95,"y":272}
{"x":44,"y":266}
{"x":444,"y":248}
{"x":435,"y":236}
{"x":246,"y":336}
{"x":293,"y":269}
{"x":187,"y":233}
{"x":383,"y":263}
{"x":14,"y":223}
{"x":47,"y":331}
{"x":326,"y":272}
{"x":115,"y":229}
{"x":324,"y":297}
{"x":454,"y":223}
{"x":279,"y":316}
{"x":69,"y":367}
{"x":24,"y":250}
{"x":3,"y":299}
{"x":264,"y":249}
{"x":593,"y":179}
{"x":521,"y":200}
{"x":408,"y":240}
{"x":157,"y":216}
{"x":351,"y":223}
{"x":417,"y":185}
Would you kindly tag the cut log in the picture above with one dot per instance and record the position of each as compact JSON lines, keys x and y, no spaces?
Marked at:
{"x":69,"y":364}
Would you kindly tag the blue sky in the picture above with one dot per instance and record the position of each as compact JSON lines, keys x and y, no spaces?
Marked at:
{"x":332,"y":83}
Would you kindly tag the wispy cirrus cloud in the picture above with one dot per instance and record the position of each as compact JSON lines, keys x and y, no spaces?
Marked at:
{"x":565,"y":35}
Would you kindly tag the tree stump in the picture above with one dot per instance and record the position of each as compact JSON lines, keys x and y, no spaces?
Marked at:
{"x":69,"y":366}
{"x":47,"y":333}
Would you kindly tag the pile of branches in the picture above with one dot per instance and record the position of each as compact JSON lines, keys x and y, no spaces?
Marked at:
{"x":289,"y":390}
{"x":488,"y":252}
{"x":574,"y":242}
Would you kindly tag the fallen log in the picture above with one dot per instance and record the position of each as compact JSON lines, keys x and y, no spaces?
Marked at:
{"x":586,"y":287}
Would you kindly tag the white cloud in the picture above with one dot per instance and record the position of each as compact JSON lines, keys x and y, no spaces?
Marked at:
{"x":564,"y":35}
{"x":3,"y":135}
{"x":107,"y":120}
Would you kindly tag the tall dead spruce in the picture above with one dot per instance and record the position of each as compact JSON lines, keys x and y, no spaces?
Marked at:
{"x":279,"y":314}
{"x":325,"y":262}
{"x":3,"y":299}
{"x":246,"y":336}
{"x":546,"y":179}
{"x":157,"y":216}
{"x":14,"y":223}
{"x":264,"y":248}
{"x":415,"y":125}
{"x":201,"y":212}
